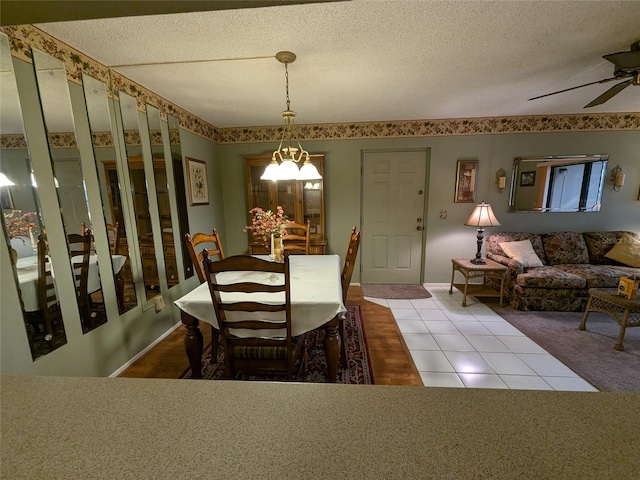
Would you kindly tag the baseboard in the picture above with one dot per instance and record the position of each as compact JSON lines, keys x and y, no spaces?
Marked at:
{"x":143,"y":352}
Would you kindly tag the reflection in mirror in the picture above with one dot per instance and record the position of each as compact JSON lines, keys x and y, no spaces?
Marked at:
{"x":181,"y":192}
{"x":129,"y":112}
{"x":162,"y":191}
{"x":55,"y":99}
{"x":95,"y":93}
{"x":22,"y":222}
{"x":558,"y":184}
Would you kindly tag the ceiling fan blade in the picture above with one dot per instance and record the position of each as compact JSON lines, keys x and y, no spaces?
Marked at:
{"x":573,"y":88}
{"x":610,"y":93}
{"x":624,"y":59}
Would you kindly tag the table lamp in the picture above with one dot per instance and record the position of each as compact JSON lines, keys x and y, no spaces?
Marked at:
{"x":481,"y":217}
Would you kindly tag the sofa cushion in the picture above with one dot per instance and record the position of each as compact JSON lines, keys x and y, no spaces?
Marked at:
{"x":626,"y":251}
{"x":596,"y":276}
{"x":522,"y":252}
{"x":599,"y":243}
{"x":565,"y":247}
{"x":492,"y":243}
{"x":630,"y":272}
{"x":550,"y":277}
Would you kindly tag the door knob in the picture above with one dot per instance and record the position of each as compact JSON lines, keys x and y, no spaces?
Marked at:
{"x":419,"y":228}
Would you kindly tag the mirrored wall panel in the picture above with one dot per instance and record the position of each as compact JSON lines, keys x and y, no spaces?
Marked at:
{"x":181,"y":191}
{"x":162,"y":192}
{"x":55,"y":100}
{"x":22,"y":222}
{"x":140,"y":198}
{"x":98,"y":103}
{"x":558,"y":183}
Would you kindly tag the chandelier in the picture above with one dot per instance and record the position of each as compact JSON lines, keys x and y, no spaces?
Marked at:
{"x":284,"y":160}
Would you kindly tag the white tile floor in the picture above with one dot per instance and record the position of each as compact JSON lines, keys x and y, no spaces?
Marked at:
{"x":473,"y":347}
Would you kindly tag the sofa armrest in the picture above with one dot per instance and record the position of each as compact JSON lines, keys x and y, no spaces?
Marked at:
{"x":515,"y":267}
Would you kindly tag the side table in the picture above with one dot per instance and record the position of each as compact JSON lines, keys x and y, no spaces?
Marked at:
{"x":490,"y":269}
{"x":625,"y":311}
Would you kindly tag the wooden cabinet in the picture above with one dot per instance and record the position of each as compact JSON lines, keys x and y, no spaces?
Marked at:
{"x":301,"y":200}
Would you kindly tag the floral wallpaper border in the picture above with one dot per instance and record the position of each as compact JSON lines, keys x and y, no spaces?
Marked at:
{"x":23,"y":37}
{"x":99,"y":140}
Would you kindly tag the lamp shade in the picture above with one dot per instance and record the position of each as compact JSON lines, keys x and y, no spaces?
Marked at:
{"x":308,"y":171}
{"x":482,"y":216}
{"x":288,"y":170}
{"x":271,"y":172}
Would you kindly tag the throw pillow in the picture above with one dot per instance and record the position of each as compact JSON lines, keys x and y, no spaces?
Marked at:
{"x":522,"y":252}
{"x":626,"y":251}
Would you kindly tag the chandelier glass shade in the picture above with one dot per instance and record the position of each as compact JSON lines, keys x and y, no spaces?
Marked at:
{"x":284,"y":161}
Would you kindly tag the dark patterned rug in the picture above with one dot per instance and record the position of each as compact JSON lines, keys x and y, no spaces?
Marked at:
{"x":589,"y":353}
{"x":379,"y":290}
{"x":358,"y":369}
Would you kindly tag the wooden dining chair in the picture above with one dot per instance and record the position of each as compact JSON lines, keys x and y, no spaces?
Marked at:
{"x":48,"y":306}
{"x":114,"y":237}
{"x":345,"y":277}
{"x":203,"y":239}
{"x":79,"y":251}
{"x":256,"y":352}
{"x":296,"y":240}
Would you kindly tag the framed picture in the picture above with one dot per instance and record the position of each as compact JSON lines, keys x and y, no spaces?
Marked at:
{"x":527,"y":179}
{"x":466,"y":181}
{"x":197,"y":180}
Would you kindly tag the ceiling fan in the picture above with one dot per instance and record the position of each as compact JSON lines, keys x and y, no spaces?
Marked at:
{"x":626,"y":65}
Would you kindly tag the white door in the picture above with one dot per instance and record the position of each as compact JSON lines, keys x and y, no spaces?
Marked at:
{"x":393,"y":206}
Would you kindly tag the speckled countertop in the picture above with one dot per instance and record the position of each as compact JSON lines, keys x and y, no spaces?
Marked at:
{"x":63,"y":428}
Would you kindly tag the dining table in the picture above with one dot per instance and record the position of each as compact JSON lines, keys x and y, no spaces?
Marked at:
{"x":27,"y":270}
{"x":316,"y":302}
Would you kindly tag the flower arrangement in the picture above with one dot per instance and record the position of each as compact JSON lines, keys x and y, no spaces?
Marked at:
{"x":267,"y":223}
{"x":19,"y":224}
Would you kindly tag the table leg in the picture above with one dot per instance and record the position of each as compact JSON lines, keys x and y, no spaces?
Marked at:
{"x":453,"y":274}
{"x":332,"y":348}
{"x":466,"y":284}
{"x":120,"y":291}
{"x":193,"y":344}
{"x":623,"y":328}
{"x":583,"y":324}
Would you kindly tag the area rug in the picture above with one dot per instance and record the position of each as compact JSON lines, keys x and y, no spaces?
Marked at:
{"x":589,"y":353}
{"x":358,"y":370}
{"x":379,"y":290}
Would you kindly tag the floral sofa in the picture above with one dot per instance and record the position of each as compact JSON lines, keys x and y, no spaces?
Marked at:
{"x":572,"y":262}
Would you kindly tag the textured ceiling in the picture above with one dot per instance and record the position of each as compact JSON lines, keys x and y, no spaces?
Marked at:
{"x":368,"y":60}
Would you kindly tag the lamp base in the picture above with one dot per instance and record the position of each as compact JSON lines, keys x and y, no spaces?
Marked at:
{"x":478,"y":261}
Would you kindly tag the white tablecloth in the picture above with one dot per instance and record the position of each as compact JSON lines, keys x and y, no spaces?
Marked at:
{"x":27,"y":269}
{"x":316,"y":294}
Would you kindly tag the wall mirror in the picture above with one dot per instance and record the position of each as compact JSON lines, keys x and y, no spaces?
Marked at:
{"x":139,"y":195}
{"x":558,"y":183}
{"x":181,"y":192}
{"x":102,"y":139}
{"x":162,"y":193}
{"x":22,"y":221}
{"x":55,"y":100}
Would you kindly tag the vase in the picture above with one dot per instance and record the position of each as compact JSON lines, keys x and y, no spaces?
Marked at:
{"x":276,"y":248}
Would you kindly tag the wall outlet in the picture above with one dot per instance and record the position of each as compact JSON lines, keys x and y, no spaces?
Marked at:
{"x":158,"y":302}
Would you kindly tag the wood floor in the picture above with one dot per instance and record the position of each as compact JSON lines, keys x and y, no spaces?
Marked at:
{"x":390,"y":362}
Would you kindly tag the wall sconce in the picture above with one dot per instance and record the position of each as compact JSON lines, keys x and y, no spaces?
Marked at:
{"x":617,"y":177}
{"x":501,"y":179}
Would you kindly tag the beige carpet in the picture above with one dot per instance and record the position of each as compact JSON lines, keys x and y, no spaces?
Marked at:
{"x":380,"y":290}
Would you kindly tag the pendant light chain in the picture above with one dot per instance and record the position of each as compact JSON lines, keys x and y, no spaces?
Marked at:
{"x":286,"y":78}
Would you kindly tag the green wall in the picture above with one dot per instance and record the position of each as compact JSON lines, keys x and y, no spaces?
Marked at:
{"x":448,"y":238}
